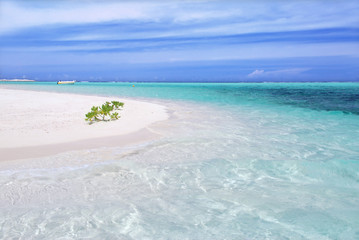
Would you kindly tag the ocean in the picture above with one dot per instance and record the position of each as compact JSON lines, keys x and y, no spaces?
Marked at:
{"x":236,"y":161}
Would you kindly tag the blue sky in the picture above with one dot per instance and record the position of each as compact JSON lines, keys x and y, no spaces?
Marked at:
{"x":180,"y":40}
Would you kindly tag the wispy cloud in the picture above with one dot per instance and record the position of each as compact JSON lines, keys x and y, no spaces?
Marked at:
{"x":261,"y":74}
{"x":232,"y":16}
{"x":15,"y":15}
{"x":88,"y":32}
{"x":128,"y":37}
{"x":256,"y":73}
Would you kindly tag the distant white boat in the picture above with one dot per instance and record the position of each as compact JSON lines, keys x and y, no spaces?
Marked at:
{"x":66,"y":82}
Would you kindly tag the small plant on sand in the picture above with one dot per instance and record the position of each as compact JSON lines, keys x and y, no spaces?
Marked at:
{"x":105,"y":112}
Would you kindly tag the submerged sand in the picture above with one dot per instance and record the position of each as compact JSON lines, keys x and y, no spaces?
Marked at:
{"x":35,"y":124}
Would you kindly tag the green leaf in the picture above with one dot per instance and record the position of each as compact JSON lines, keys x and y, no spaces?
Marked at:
{"x":114,"y":116}
{"x":106,"y":111}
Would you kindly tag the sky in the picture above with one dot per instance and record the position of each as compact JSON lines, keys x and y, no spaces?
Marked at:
{"x":188,"y":40}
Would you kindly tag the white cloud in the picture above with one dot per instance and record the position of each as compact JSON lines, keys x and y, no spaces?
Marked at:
{"x":256,"y":73}
{"x":277,"y":73}
{"x":233,"y":16}
{"x":14,"y":16}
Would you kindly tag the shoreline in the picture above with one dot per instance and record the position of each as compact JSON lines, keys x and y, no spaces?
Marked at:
{"x":38,"y":124}
{"x":22,"y":153}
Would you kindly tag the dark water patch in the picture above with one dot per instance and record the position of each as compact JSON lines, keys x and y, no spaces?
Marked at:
{"x":320,"y":99}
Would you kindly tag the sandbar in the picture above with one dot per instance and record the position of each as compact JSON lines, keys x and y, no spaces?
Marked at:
{"x":34,"y":124}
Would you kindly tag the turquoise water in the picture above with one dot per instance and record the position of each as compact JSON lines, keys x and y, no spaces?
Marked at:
{"x":319,"y":96}
{"x":237,"y":161}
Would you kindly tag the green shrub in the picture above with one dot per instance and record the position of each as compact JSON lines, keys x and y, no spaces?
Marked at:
{"x":105,"y":112}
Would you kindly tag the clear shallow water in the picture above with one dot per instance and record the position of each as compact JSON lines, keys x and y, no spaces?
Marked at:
{"x":239,"y":161}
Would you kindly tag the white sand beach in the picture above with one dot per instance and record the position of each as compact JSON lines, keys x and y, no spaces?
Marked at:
{"x":34,"y":124}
